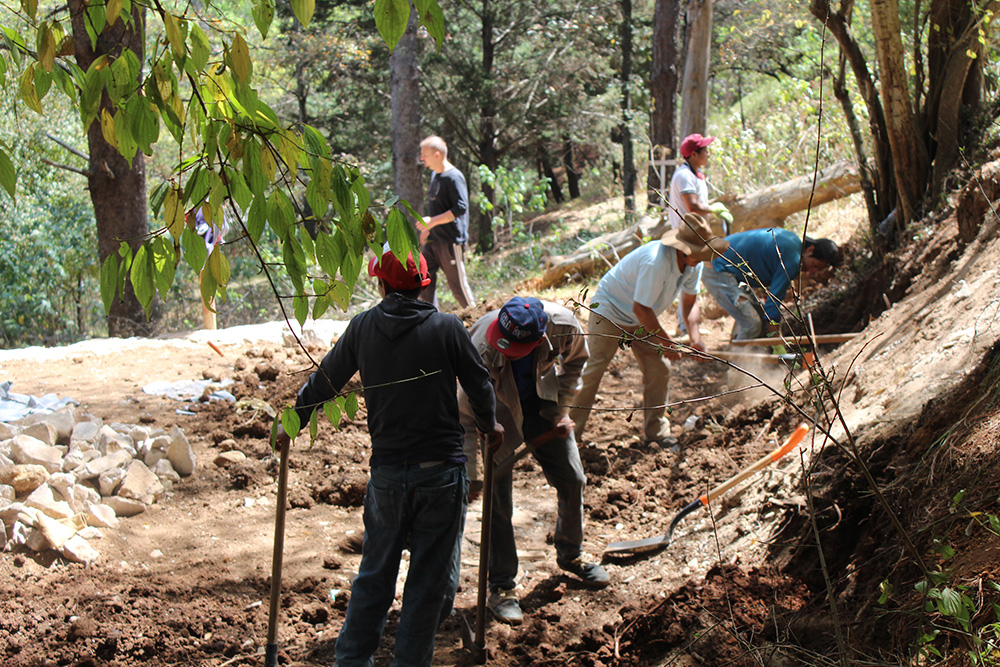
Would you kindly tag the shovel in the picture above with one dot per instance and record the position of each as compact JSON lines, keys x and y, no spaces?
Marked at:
{"x":504,"y":467}
{"x":808,"y":358}
{"x":653,"y":543}
{"x":475,"y":642}
{"x":271,"y":650}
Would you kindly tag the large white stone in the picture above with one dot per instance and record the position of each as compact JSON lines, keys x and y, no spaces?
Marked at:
{"x":5,"y":461}
{"x":124,"y":506}
{"x":226,"y":459}
{"x":63,"y":483}
{"x":85,"y":431}
{"x":110,"y":441}
{"x":180,"y":454}
{"x":28,"y":450}
{"x":62,"y":420}
{"x":165,"y":471}
{"x":55,"y":532}
{"x":99,"y":514}
{"x":42,"y":431}
{"x":7,"y":493}
{"x":140,"y":484}
{"x":154,"y":456}
{"x":35,"y":539}
{"x":109,"y":480}
{"x":10,"y":514}
{"x":119,"y":459}
{"x":25,"y":478}
{"x":5,"y":447}
{"x":8,"y":431}
{"x":44,"y":499}
{"x":79,"y":550}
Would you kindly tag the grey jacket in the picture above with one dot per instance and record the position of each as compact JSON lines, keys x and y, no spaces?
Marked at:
{"x":559,"y":360}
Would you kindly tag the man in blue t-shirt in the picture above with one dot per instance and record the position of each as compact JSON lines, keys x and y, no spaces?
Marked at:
{"x":445,"y":231}
{"x":767,"y":258}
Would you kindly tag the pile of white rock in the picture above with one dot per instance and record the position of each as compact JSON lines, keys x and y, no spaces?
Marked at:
{"x":64,"y":477}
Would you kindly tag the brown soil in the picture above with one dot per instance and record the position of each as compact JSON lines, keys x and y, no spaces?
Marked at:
{"x":187,"y":582}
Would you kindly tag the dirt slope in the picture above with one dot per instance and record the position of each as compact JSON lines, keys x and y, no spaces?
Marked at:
{"x":740,"y":585}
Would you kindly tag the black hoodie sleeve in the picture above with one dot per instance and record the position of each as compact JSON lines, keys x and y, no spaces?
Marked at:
{"x":337,"y":367}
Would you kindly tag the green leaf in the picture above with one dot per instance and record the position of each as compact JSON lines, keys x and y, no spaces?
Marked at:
{"x":164,"y":264}
{"x":239,"y":53}
{"x":174,"y":35}
{"x":208,"y":288}
{"x":295,"y":262}
{"x":432,"y":18}
{"x":194,"y":250}
{"x":350,"y":268}
{"x":340,"y":294}
{"x":218,"y":264}
{"x":391,"y":17}
{"x":329,"y":253}
{"x":290,"y":422}
{"x":320,"y":305}
{"x":200,"y":47}
{"x":263,"y":14}
{"x":304,"y":10}
{"x":256,"y":218}
{"x":313,"y":426}
{"x":113,"y":11}
{"x":332,"y":411}
{"x":27,"y":89}
{"x":238,"y":187}
{"x":351,"y":405}
{"x":8,"y":175}
{"x":300,"y":305}
{"x":173,"y":212}
{"x":30,"y":7}
{"x":402,"y":238}
{"x":142,"y":278}
{"x":109,"y":281}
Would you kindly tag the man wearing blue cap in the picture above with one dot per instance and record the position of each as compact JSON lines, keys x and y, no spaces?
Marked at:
{"x":535,"y":352}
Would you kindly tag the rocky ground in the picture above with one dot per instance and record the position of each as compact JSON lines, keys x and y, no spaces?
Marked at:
{"x":187,"y":580}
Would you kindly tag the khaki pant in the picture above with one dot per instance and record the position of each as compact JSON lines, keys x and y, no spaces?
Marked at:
{"x":602,"y":341}
{"x":450,"y":259}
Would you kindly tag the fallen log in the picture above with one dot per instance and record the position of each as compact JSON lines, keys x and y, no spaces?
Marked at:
{"x":770,"y":206}
{"x":821,"y":339}
{"x":603,"y":252}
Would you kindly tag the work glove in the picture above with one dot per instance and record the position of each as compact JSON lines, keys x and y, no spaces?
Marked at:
{"x":720,"y":211}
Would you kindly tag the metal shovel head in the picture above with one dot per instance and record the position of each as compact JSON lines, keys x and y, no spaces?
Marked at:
{"x":469,"y":643}
{"x":638,"y":546}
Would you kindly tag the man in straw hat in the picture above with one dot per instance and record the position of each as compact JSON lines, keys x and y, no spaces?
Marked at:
{"x":411,"y":359}
{"x":628,"y":300}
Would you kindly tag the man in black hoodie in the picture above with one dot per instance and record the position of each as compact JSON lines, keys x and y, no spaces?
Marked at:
{"x":409,"y":356}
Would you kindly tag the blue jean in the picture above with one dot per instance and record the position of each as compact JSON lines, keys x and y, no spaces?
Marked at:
{"x":422,"y":509}
{"x":560,"y":462}
{"x":740,"y":304}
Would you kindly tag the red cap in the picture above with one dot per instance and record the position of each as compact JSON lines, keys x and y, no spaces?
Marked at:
{"x":395,"y":275}
{"x":694,"y":142}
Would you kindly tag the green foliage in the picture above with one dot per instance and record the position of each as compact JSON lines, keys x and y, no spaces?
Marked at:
{"x":517,"y":193}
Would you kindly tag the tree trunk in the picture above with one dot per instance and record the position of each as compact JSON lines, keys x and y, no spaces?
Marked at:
{"x":694,"y":90}
{"x":770,"y":206}
{"x":909,"y":156}
{"x":663,"y":86}
{"x":546,"y":166}
{"x":628,"y":161}
{"x":487,"y":132}
{"x":839,"y":26}
{"x":117,"y":190}
{"x":572,"y":175}
{"x":867,"y":186}
{"x":405,"y":86}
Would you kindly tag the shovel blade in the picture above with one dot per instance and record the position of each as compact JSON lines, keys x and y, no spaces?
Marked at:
{"x":638,"y":546}
{"x":469,"y":643}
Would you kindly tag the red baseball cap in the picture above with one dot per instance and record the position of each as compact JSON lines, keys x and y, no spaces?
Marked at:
{"x":694,"y":142}
{"x":519,"y":327}
{"x":396,"y":275}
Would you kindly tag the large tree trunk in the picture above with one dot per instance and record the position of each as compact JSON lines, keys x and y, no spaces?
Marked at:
{"x":628,"y":160}
{"x":839,"y":26}
{"x":663,"y":86}
{"x":909,"y":155}
{"x":406,"y":169}
{"x":572,"y":175}
{"x":770,"y":206}
{"x":487,"y":127}
{"x":694,"y":105}
{"x":117,"y":189}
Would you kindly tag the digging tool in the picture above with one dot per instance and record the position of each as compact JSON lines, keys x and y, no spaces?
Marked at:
{"x":504,"y":467}
{"x":652,"y":543}
{"x":475,"y":642}
{"x":271,"y":650}
{"x":822,"y":339}
{"x":808,"y":358}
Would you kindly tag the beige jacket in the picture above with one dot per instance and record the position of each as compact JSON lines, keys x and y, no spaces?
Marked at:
{"x":559,"y":360}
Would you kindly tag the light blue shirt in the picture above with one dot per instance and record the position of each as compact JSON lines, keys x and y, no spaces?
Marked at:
{"x":649,"y":276}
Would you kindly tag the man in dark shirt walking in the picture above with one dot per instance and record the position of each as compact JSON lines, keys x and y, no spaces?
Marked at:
{"x":445,"y":231}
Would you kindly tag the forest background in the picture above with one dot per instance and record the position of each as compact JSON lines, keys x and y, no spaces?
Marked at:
{"x":544,"y":105}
